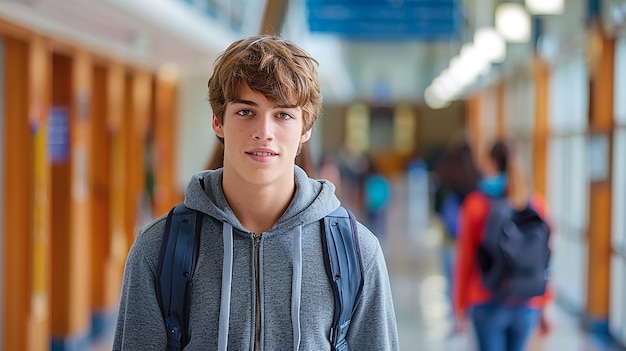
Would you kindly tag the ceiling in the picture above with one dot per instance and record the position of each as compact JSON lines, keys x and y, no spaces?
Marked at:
{"x":147,"y":32}
{"x":158,"y":32}
{"x":392,"y":62}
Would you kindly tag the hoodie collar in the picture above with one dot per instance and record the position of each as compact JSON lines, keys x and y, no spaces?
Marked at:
{"x":313,"y":199}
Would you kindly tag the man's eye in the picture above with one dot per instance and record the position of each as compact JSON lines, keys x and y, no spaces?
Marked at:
{"x":244,"y":113}
{"x":283,"y":115}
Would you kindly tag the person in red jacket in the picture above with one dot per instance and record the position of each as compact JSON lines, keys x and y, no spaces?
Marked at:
{"x":499,"y":325}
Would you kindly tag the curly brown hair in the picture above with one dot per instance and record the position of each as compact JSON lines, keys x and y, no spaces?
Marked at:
{"x":274,"y":67}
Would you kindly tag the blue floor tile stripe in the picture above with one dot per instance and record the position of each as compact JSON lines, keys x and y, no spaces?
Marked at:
{"x":78,"y":342}
{"x":103,"y":324}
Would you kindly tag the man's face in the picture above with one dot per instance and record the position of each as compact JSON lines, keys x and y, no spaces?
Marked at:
{"x":261,"y":139}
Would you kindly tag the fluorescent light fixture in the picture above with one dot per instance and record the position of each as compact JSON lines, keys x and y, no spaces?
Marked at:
{"x":513,"y":22}
{"x":439,"y":92}
{"x":490,"y":44}
{"x":545,"y":7}
{"x":433,"y":101}
{"x":447,"y":84}
{"x":474,"y":61}
{"x":459,"y":72}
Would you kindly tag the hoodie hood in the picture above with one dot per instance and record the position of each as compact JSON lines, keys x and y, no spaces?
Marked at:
{"x":312,"y":200}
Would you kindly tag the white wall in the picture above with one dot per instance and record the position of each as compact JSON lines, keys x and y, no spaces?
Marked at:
{"x":195,"y":135}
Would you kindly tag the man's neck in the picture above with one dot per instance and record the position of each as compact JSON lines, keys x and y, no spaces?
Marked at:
{"x":258,"y":208}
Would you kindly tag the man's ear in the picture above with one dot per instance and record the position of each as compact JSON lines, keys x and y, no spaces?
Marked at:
{"x":305,"y":137}
{"x":217,"y":127}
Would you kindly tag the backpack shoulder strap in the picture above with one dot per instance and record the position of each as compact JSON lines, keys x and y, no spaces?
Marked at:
{"x":177,"y":260}
{"x":500,"y":212}
{"x":345,"y":270}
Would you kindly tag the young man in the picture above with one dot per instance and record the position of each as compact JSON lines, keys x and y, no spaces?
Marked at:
{"x":265,"y":97}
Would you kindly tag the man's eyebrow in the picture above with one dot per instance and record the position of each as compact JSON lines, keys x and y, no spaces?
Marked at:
{"x":245,"y":102}
{"x":252,"y":103}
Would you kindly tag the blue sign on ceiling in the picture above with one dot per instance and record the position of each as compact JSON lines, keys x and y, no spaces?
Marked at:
{"x":426,"y":20}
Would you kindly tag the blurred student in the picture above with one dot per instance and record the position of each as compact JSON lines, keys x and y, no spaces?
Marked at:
{"x":458,"y":177}
{"x":376,"y":196}
{"x":503,"y":305}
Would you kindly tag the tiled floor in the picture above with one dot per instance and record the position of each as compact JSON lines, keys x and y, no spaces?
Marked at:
{"x":419,"y":288}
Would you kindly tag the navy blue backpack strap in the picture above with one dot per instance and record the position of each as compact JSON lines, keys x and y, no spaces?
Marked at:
{"x":177,"y":260}
{"x":345,"y":270}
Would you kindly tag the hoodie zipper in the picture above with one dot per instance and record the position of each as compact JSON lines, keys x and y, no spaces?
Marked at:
{"x":257,"y":273}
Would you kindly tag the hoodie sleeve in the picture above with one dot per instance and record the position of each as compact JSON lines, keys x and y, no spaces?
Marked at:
{"x":373,"y":326}
{"x":140,"y":324}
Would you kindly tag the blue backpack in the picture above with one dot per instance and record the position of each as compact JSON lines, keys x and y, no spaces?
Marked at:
{"x":179,"y":251}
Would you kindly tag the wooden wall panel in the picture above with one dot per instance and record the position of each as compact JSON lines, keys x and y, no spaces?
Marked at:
{"x":115,"y":121}
{"x":18,"y":177}
{"x":40,"y":68}
{"x":100,"y":188}
{"x":474,"y":121}
{"x":80,"y":196}
{"x":166,"y":193}
{"x":599,"y":231}
{"x":501,"y":127}
{"x":60,"y":194}
{"x":541,"y":77}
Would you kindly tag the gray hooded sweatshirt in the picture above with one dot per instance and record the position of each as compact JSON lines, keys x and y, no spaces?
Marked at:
{"x":286,"y":303}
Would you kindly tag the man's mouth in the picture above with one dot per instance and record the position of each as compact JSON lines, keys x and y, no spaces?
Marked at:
{"x":262,"y":153}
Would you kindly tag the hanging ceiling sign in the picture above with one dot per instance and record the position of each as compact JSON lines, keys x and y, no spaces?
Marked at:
{"x":422,"y":20}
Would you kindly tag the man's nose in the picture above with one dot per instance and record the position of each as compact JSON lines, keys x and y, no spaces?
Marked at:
{"x":264,"y":128}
